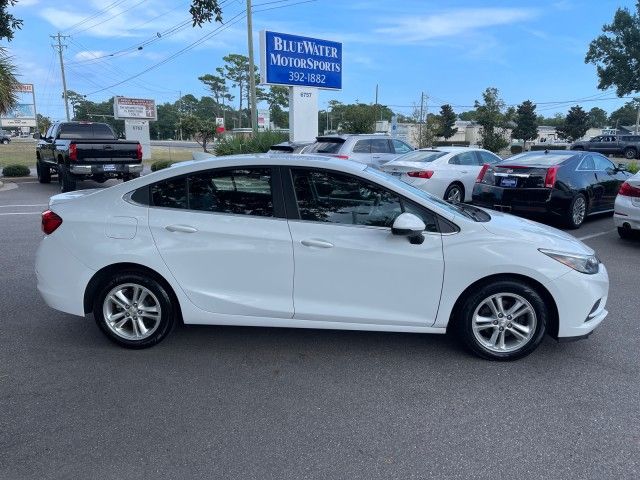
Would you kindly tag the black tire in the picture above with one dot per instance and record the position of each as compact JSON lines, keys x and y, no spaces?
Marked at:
{"x":43,"y":171}
{"x":575,"y":221}
{"x":465,"y":314}
{"x":625,"y":233}
{"x":630,"y":153}
{"x":452,"y":190}
{"x":5,"y":141}
{"x":66,"y":179}
{"x":159,"y":295}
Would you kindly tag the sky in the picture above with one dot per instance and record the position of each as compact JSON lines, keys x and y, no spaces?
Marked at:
{"x":451,"y":50}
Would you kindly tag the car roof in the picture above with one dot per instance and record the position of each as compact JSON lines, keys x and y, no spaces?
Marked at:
{"x":344,"y":136}
{"x":452,"y":149}
{"x":271,"y":159}
{"x":546,"y":157}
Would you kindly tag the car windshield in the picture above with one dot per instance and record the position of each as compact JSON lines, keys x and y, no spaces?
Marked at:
{"x":420,"y":156}
{"x":468,"y":211}
{"x":544,"y":159}
{"x":326,"y":147}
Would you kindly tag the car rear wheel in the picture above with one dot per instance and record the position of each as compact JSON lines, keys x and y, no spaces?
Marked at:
{"x":454,"y":193}
{"x":577,"y":211}
{"x":43,"y":171}
{"x":504,"y":320}
{"x":134,"y":310}
{"x":66,"y":179}
{"x":625,"y":233}
{"x":630,"y":153}
{"x":5,"y":141}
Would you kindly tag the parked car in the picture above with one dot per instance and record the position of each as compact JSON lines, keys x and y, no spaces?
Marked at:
{"x":290,"y":147}
{"x":239,"y":240}
{"x":5,"y":137}
{"x":446,"y":172}
{"x":626,"y":214}
{"x":85,"y":150}
{"x":565,"y":185}
{"x":373,"y":150}
{"x":627,"y":145}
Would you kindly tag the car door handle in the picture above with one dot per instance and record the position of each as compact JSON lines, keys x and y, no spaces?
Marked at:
{"x":316,"y":243}
{"x":181,"y":228}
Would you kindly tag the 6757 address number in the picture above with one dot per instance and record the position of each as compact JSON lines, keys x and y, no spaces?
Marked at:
{"x":315,"y":78}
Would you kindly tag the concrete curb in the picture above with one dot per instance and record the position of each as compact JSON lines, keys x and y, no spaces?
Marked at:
{"x":17,"y":179}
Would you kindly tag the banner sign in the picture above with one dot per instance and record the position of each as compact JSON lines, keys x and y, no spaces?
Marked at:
{"x":23,"y":114}
{"x":134,"y":108}
{"x":300,"y":61}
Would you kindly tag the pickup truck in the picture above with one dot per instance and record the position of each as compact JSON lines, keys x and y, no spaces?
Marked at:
{"x":627,"y":145}
{"x":85,"y":150}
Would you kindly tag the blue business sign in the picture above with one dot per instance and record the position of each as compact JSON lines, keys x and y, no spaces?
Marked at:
{"x":293,"y":60}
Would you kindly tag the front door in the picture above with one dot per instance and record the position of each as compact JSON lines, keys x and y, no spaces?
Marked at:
{"x":349,"y":267}
{"x":220,"y":234}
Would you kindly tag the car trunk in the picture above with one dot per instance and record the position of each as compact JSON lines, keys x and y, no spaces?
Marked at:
{"x":107,"y":151}
{"x":507,"y":176}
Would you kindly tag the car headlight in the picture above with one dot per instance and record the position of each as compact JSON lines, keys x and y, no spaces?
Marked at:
{"x":589,"y":264}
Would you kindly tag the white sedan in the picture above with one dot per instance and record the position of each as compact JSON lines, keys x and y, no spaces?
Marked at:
{"x":626,"y":213}
{"x":446,"y":172}
{"x":311,"y":242}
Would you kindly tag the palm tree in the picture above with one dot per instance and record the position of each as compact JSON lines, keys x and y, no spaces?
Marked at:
{"x":8,"y":82}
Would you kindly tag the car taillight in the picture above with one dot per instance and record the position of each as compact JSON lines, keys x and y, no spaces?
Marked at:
{"x":422,"y":174}
{"x":73,"y":152}
{"x":139,"y":152}
{"x":483,"y":170}
{"x":628,"y":190}
{"x":550,"y":178}
{"x":50,"y":222}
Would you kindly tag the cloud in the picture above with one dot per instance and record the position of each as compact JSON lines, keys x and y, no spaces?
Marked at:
{"x":452,"y":23}
{"x":89,"y":54}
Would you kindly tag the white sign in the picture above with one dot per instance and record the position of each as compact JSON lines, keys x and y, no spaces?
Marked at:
{"x":139,"y":130}
{"x":264,"y":119}
{"x":23,"y":114}
{"x":134,"y":108}
{"x":303,"y":114}
{"x":219,"y":121}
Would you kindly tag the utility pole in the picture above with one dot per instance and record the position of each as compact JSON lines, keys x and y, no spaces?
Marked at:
{"x":638,"y":120}
{"x":420,"y":120}
{"x":252,"y":73}
{"x":60,"y":46}
{"x":180,"y":113}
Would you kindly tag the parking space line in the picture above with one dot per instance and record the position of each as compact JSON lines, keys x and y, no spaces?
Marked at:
{"x":21,"y":213}
{"x":594,"y":235}
{"x":33,"y":205}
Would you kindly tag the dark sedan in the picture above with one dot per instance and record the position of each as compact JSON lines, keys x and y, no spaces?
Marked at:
{"x":566,"y":185}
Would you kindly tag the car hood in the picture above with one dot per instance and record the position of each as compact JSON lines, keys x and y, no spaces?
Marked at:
{"x":523,"y":230}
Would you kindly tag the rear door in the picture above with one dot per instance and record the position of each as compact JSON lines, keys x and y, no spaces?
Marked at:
{"x":610,"y":178}
{"x":223,"y":235}
{"x":349,"y":267}
{"x":467,"y":167}
{"x":381,"y":151}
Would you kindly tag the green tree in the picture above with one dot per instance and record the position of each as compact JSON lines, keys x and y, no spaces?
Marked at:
{"x":625,"y":115}
{"x":168,"y":122}
{"x":597,"y":118}
{"x":616,"y":52}
{"x":360,"y":117}
{"x":218,"y":87}
{"x":556,"y":121}
{"x":469,"y":116}
{"x":43,"y":123}
{"x":576,"y":124}
{"x":201,"y":130}
{"x":8,"y":23}
{"x":447,"y":122}
{"x":526,"y":123}
{"x":203,"y":11}
{"x":491,"y":119}
{"x":8,"y":82}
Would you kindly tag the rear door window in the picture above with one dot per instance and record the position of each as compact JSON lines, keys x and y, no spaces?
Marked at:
{"x":362,"y":146}
{"x":602,"y":164}
{"x":490,"y":158}
{"x":171,"y":193}
{"x":380,"y":145}
{"x":465,"y":158}
{"x":401,"y":147}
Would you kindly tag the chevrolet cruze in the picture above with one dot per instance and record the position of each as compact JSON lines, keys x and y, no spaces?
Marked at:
{"x":311,"y":242}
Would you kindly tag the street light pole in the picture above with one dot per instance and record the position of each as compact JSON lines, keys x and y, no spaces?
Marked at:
{"x":252,"y":73}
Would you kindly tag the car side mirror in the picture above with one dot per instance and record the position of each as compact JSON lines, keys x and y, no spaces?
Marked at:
{"x":410,"y":226}
{"x":37,"y":136}
{"x":622,"y":167}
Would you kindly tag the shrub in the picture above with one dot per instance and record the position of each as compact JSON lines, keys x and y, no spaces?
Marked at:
{"x":160,"y":164}
{"x":633,"y":167}
{"x":515,"y":149}
{"x":541,"y":147}
{"x":16,"y":170}
{"x":260,"y":143}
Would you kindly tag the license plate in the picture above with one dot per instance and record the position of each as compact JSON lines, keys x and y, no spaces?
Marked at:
{"x":109,"y":168}
{"x":396,"y":174}
{"x":509,"y":182}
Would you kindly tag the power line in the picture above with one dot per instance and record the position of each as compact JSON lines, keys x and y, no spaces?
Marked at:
{"x":95,"y":15}
{"x":110,"y":18}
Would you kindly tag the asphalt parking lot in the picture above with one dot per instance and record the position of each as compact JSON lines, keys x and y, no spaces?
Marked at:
{"x":223,"y":402}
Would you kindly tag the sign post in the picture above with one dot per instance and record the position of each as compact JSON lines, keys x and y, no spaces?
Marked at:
{"x":136,"y":113}
{"x":304,"y":65}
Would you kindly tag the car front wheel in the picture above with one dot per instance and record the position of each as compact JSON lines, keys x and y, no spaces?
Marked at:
{"x":504,"y":320}
{"x":134,"y":310}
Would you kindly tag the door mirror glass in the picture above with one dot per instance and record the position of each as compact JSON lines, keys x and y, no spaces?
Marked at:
{"x":410,"y":226}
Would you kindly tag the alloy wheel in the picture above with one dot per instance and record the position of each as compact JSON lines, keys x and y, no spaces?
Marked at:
{"x":454,"y":195}
{"x":131,"y":311}
{"x":579,"y":210}
{"x":504,"y":322}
